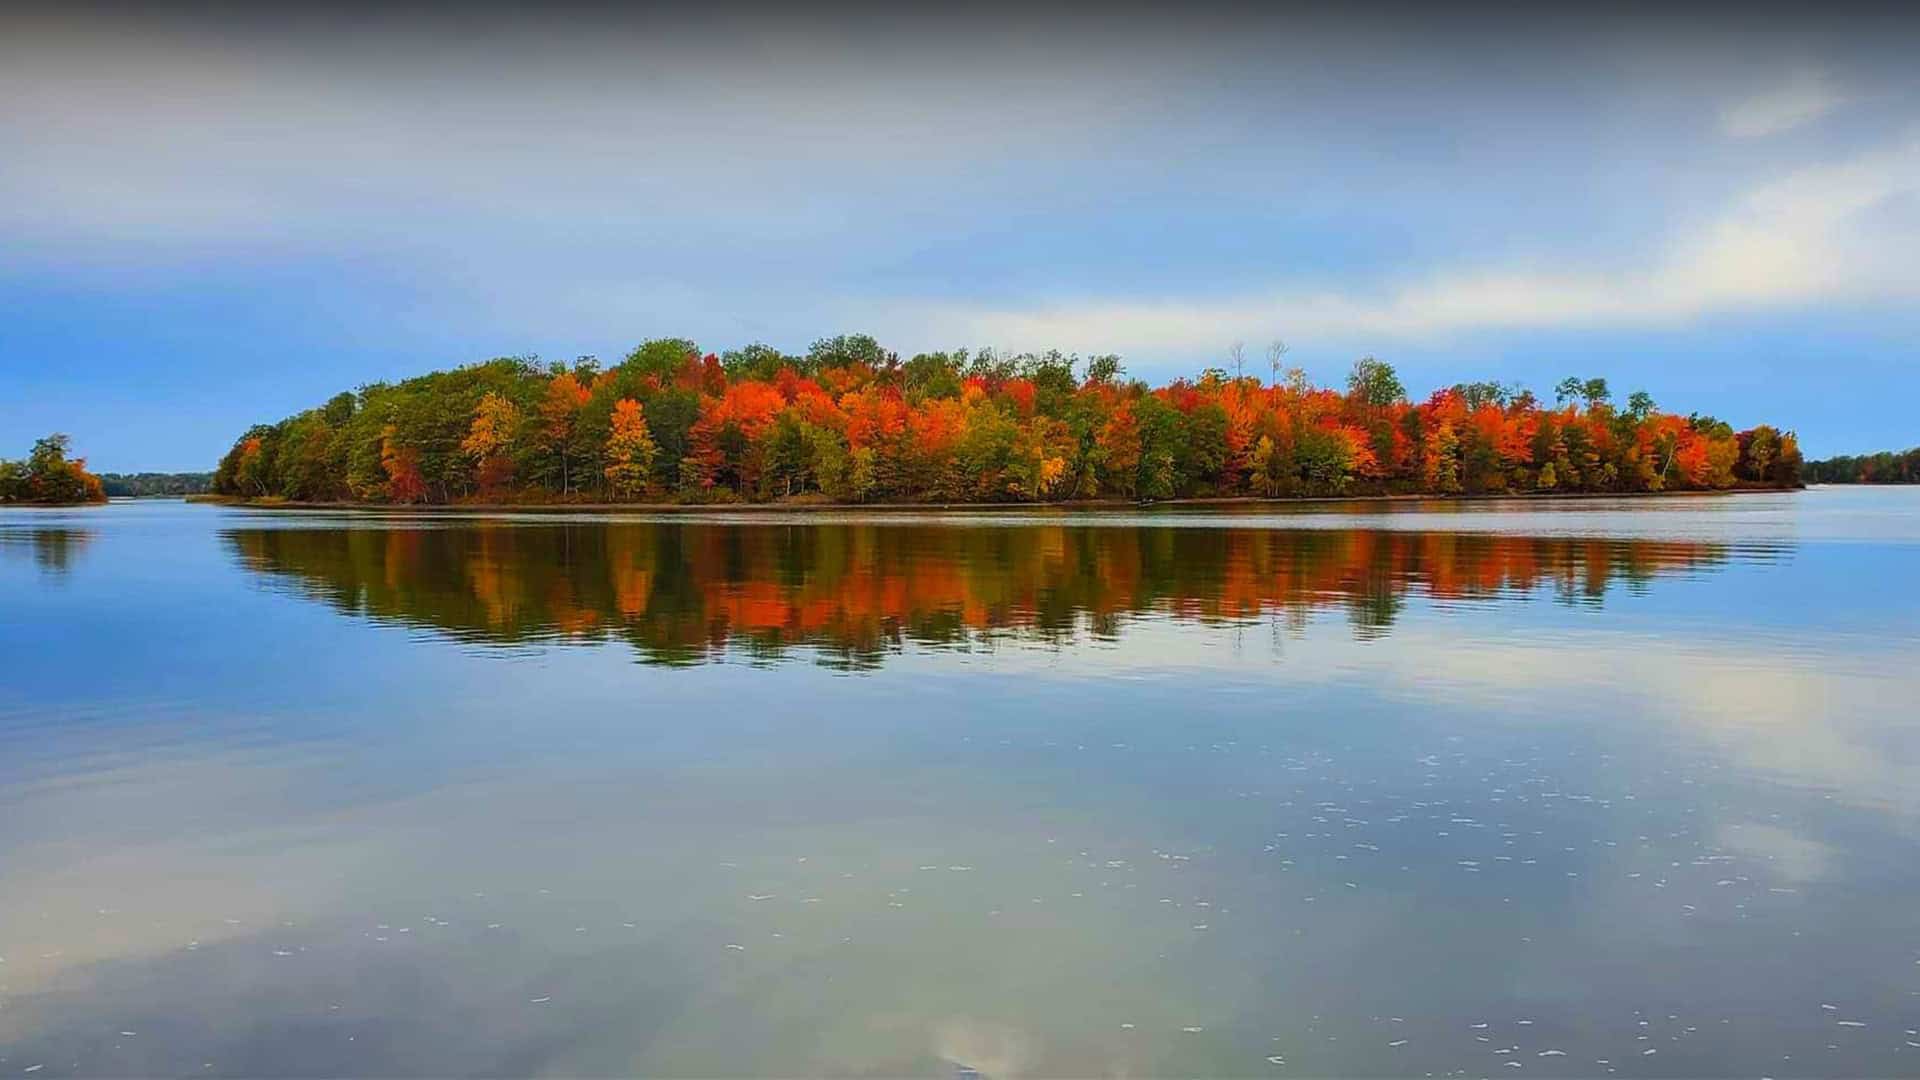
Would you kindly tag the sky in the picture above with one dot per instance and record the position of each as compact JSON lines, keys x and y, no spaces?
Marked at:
{"x":210,"y":219}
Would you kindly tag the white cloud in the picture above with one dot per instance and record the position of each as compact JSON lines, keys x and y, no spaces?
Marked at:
{"x":528,"y":189}
{"x":198,"y":138}
{"x":1803,"y":238}
{"x":1805,"y":97}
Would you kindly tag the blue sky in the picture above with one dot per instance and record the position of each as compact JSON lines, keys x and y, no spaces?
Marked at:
{"x":205,"y":223}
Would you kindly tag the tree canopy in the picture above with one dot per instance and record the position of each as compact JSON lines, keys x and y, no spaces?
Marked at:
{"x":146,"y":484}
{"x":1885,"y":467}
{"x":48,"y":477}
{"x":850,"y":421}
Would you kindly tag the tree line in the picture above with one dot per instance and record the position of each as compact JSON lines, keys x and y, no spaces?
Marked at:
{"x":1885,"y":467}
{"x":153,"y":484}
{"x":848,"y":421}
{"x":48,"y":477}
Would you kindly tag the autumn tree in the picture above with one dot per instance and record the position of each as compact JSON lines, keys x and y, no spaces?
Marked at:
{"x":559,"y":415}
{"x":630,"y":451}
{"x":402,"y":466}
{"x":848,"y":419}
{"x":49,"y":477}
{"x":490,"y":441}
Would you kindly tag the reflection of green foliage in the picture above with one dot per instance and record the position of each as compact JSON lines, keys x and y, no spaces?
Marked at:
{"x":54,"y":550}
{"x":855,"y":593}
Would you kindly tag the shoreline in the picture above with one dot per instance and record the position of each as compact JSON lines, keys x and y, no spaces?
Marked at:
{"x":784,"y":508}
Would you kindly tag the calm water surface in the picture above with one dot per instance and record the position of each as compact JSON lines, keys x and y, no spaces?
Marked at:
{"x":1576,"y":789}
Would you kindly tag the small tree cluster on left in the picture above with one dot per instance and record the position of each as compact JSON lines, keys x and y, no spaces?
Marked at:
{"x":48,"y":477}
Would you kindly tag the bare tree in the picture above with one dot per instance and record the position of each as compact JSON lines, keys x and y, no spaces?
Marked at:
{"x":1276,"y":353}
{"x":1237,"y":356}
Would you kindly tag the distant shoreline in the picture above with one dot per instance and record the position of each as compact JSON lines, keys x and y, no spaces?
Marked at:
{"x":802,"y":507}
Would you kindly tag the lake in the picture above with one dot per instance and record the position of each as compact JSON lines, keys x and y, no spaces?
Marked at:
{"x":1571,"y":788}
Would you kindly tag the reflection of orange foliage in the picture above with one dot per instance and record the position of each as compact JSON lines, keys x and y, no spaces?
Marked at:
{"x":495,"y":600}
{"x":629,"y":575}
{"x":680,"y":591}
{"x":402,"y":564}
{"x":568,"y":615}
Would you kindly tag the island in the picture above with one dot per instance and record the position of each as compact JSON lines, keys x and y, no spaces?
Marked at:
{"x":851,"y":423}
{"x":48,"y":477}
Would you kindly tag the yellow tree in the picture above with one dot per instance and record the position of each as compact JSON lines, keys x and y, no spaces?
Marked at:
{"x":630,"y":450}
{"x":489,"y":440}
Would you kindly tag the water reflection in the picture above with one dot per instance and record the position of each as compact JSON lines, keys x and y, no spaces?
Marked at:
{"x":53,"y":550}
{"x":854,"y":593}
{"x":1069,"y":828}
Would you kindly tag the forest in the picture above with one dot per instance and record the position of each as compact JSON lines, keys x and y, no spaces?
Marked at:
{"x":850,"y":422}
{"x":48,"y":477}
{"x":1885,"y":467}
{"x":152,"y":484}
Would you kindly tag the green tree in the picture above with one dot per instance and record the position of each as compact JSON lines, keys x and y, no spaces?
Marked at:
{"x":846,"y":349}
{"x":934,"y":375}
{"x":1104,"y":370}
{"x":789,"y":456}
{"x":1374,"y":382}
{"x":662,"y":358}
{"x":757,"y":361}
{"x":13,"y":481}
